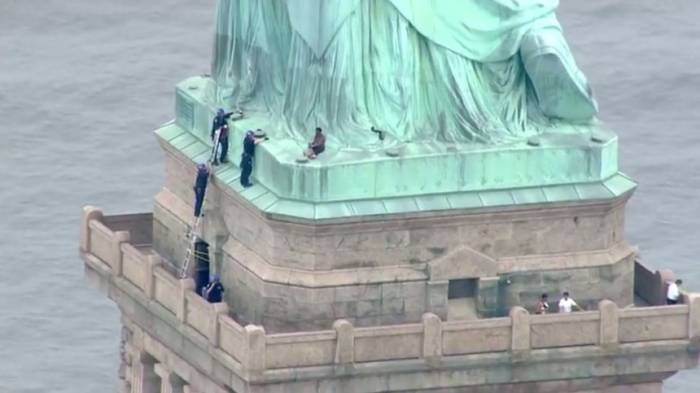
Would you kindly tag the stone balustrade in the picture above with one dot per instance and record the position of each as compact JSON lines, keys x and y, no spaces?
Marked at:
{"x":166,"y":291}
{"x":431,"y":340}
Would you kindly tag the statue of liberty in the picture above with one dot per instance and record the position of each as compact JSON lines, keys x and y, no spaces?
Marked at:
{"x":462,"y":71}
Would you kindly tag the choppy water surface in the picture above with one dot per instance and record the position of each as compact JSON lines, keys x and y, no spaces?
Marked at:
{"x":83,"y":83}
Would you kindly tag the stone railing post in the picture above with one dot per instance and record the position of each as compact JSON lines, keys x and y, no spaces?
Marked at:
{"x":432,"y":339}
{"x":255,"y":348}
{"x":89,"y":213}
{"x":186,"y":285}
{"x":143,"y":377}
{"x":214,"y":324}
{"x":520,"y":332}
{"x":344,"y":342}
{"x":119,"y":238}
{"x":151,"y":262}
{"x":693,"y":302}
{"x":169,"y":381}
{"x":609,"y":324}
{"x":436,"y":298}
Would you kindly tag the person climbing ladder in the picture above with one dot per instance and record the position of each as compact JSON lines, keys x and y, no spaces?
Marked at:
{"x":200,"y":187}
{"x":193,"y":233}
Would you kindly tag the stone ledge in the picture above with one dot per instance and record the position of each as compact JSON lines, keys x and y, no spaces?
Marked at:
{"x":566,"y":154}
{"x":178,"y":142}
{"x":544,"y":354}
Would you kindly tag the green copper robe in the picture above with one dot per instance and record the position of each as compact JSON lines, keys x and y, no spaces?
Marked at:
{"x":483,"y":71}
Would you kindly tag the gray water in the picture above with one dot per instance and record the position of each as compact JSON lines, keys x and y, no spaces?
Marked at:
{"x":84,"y":82}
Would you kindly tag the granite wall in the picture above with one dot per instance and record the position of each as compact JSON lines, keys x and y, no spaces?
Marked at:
{"x":289,"y":275}
{"x":404,"y":239}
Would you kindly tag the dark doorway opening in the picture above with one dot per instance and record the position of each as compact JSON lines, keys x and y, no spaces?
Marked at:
{"x":201,"y":258}
{"x":461,"y":299}
{"x":461,"y":288}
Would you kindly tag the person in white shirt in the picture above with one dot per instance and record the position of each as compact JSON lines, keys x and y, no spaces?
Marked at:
{"x":673,"y":293}
{"x":566,"y":304}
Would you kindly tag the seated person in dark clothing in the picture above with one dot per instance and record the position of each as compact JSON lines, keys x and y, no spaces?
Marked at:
{"x":317,"y":146}
{"x":214,"y":292}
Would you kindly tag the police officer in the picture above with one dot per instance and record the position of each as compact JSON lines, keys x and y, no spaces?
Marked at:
{"x":200,"y":187}
{"x":223,"y":142}
{"x":214,"y":292}
{"x":249,"y":142}
{"x":219,"y":120}
{"x":219,"y":124}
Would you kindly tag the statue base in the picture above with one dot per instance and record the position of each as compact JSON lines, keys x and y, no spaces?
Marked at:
{"x":571,"y":164}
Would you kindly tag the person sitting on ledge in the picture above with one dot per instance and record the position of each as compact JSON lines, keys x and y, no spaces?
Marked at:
{"x":566,"y":304}
{"x":200,"y":187}
{"x":214,"y":291}
{"x":317,"y":146}
{"x":673,"y":292}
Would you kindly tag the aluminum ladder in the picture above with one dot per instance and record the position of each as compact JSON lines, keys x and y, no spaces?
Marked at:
{"x":192,"y":238}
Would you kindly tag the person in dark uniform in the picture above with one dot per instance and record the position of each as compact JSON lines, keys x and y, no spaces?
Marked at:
{"x":223,"y":142}
{"x":219,"y":120}
{"x":248,"y":155}
{"x":220,"y":123}
{"x":200,"y":187}
{"x":214,"y":292}
{"x":317,"y":146}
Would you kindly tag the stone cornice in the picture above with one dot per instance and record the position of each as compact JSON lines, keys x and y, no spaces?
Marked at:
{"x":270,"y":273}
{"x":189,"y":149}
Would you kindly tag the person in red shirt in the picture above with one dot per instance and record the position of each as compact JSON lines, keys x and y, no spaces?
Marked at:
{"x":317,"y":146}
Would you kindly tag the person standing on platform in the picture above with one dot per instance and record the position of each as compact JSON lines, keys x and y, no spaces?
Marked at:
{"x":223,"y":142}
{"x":219,"y":120}
{"x":249,"y":143}
{"x":566,"y":304}
{"x":673,"y":293}
{"x":218,"y":124}
{"x":214,"y":292}
{"x":200,"y":187}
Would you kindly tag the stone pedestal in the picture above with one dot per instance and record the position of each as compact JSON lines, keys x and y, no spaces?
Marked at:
{"x":289,"y":273}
